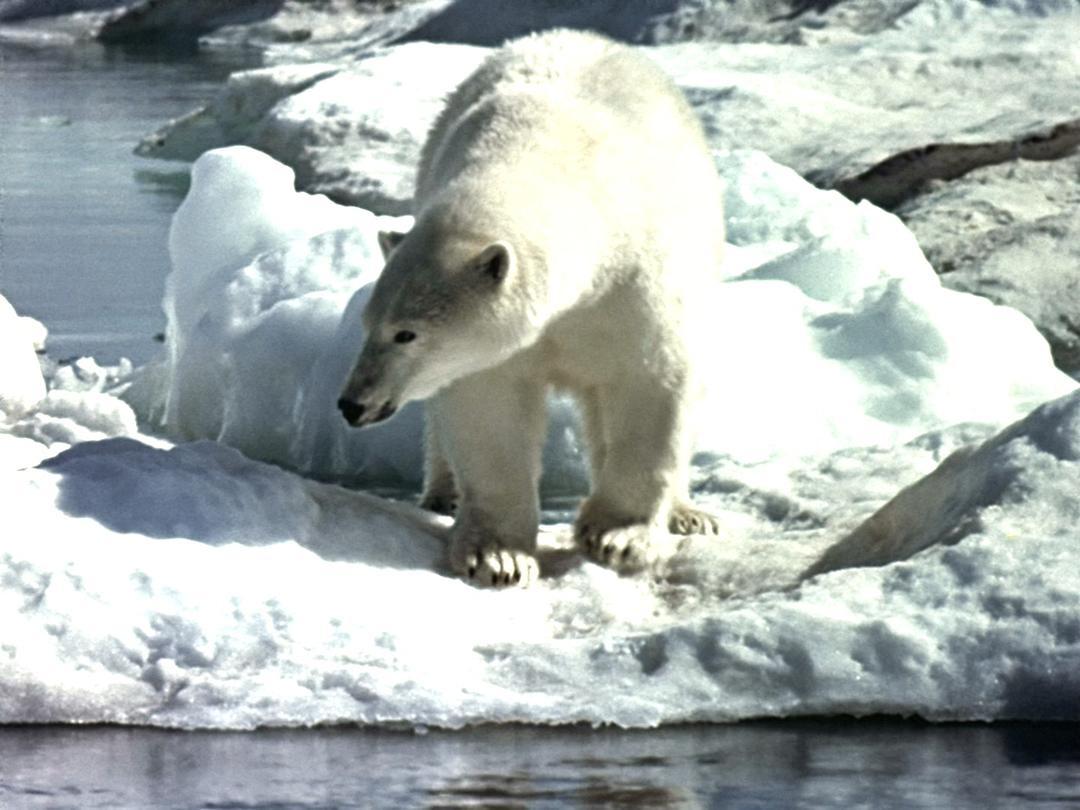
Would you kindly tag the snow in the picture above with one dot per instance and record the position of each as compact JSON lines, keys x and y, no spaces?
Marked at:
{"x":1012,"y":234}
{"x":337,"y":124}
{"x":247,"y":596}
{"x":258,"y":346}
{"x":868,"y":97}
{"x":189,"y":585}
{"x":244,"y":99}
{"x":15,"y":9}
{"x":36,"y":422}
{"x":831,"y":111}
{"x":21,"y":383}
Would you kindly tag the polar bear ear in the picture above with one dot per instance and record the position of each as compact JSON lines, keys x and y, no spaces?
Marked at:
{"x":495,"y":261}
{"x":388,"y":240}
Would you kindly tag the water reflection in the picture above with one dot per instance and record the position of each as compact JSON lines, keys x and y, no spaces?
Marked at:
{"x":798,"y":764}
{"x":168,"y":183}
{"x":533,"y":790}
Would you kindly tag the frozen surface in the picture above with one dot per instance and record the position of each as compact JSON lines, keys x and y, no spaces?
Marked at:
{"x":874,"y":98}
{"x":257,"y":347}
{"x":36,"y":420}
{"x":14,"y":9}
{"x":192,"y":587}
{"x":961,"y":73}
{"x":189,"y":585}
{"x":834,"y":299}
{"x":1012,"y":234}
{"x":339,"y":124}
{"x":21,"y":383}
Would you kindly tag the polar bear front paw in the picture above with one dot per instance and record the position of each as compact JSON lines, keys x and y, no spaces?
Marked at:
{"x":685,"y":519}
{"x":491,"y":565}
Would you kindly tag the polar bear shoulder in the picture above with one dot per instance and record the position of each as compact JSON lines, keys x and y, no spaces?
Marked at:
{"x":565,"y":75}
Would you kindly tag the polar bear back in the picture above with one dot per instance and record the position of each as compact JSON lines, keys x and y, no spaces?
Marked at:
{"x":618,"y":101}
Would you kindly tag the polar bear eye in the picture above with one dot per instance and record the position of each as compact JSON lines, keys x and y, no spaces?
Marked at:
{"x":404,"y":336}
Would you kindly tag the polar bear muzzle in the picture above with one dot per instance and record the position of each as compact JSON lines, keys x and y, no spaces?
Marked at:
{"x":358,"y":414}
{"x":370,"y":395}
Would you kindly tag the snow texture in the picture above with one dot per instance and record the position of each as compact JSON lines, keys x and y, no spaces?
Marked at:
{"x":877,"y":98}
{"x":188,"y":585}
{"x":838,"y":296}
{"x":836,"y":111}
{"x":37,"y":420}
{"x":1012,"y":234}
{"x":20,"y":9}
{"x":21,"y":384}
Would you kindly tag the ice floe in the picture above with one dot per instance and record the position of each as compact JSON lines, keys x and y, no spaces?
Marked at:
{"x":182,"y":583}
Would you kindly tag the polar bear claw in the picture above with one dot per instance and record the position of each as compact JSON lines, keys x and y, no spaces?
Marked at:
{"x":686,"y":519}
{"x":493,"y":565}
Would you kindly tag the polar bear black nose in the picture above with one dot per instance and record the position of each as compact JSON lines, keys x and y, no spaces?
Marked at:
{"x":352,"y":411}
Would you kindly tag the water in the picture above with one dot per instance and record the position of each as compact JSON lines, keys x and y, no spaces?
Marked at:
{"x":83,"y":221}
{"x":790,"y":764}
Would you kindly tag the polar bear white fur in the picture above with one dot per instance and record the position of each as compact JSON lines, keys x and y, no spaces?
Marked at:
{"x":568,"y":233}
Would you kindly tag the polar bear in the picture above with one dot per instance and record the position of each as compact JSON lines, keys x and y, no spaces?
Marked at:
{"x":568,"y":233}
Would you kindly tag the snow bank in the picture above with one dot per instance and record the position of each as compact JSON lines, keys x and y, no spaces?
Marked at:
{"x":246,"y":97}
{"x":257,"y":347}
{"x":21,"y":383}
{"x":832,"y":111}
{"x":21,"y":386}
{"x":18,"y":9}
{"x":852,"y":317}
{"x":38,"y":420}
{"x":1039,"y":452}
{"x":190,"y":586}
{"x":1011,"y":233}
{"x":267,"y":285}
{"x":335,"y":123}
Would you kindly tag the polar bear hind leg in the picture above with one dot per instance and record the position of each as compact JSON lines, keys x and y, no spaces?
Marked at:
{"x":636,"y":432}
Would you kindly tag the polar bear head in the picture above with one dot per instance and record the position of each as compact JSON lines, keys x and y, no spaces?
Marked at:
{"x":447,"y":304}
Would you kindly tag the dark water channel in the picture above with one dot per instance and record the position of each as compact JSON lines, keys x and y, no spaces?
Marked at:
{"x":781,"y":764}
